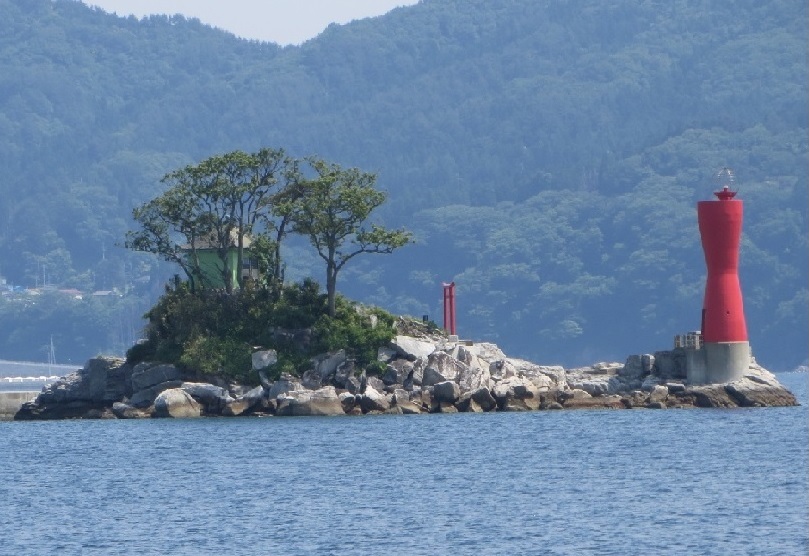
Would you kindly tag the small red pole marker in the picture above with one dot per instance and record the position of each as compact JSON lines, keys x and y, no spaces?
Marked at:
{"x":449,"y":308}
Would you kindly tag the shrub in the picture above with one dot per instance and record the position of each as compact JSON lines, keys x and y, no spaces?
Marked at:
{"x":211,"y":332}
{"x":211,"y":355}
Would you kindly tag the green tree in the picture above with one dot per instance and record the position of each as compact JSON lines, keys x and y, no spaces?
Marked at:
{"x":216,"y":204}
{"x":333,"y":212}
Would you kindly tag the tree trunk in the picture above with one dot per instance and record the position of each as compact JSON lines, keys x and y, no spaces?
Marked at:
{"x":331,"y":288}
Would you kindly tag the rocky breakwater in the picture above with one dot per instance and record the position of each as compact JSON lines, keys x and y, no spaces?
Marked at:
{"x":422,"y":374}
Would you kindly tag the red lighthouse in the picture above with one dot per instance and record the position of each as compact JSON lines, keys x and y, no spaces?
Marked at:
{"x":726,"y":350}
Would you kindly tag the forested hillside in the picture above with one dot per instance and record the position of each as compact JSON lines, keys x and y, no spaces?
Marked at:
{"x":548,"y":156}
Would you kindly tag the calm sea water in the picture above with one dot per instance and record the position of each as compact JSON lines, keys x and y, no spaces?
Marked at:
{"x":585,"y":482}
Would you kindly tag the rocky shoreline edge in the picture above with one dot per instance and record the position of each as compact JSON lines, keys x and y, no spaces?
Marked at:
{"x":424,"y":374}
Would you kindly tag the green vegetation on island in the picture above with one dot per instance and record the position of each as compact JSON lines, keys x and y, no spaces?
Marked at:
{"x":222,"y":221}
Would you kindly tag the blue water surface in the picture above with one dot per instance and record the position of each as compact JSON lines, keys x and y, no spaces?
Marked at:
{"x":556,"y":482}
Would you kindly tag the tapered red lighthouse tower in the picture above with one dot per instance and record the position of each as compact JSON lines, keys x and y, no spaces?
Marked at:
{"x":726,"y":350}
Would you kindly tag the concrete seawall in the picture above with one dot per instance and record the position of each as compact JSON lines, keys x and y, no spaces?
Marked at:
{"x":10,"y":403}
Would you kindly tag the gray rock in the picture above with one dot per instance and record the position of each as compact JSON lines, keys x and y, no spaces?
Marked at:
{"x":441,"y":367}
{"x":647,"y":363}
{"x":176,"y":403}
{"x":397,"y":371}
{"x":675,"y":387}
{"x":343,"y":373}
{"x":756,"y":389}
{"x":264,"y":358}
{"x":125,"y":411}
{"x":375,"y":383}
{"x":146,"y":397}
{"x":352,"y":384}
{"x":659,"y":394}
{"x":102,"y":379}
{"x":477,"y":401}
{"x":573,"y":394}
{"x":386,"y":354}
{"x":446,"y":391}
{"x":409,"y":408}
{"x":146,"y":375}
{"x":592,"y":383}
{"x":214,"y":398}
{"x":253,"y":400}
{"x":311,"y":379}
{"x":485,"y":350}
{"x":474,"y":373}
{"x":236,"y":407}
{"x":417,"y":376}
{"x":650,"y":382}
{"x":516,"y":394}
{"x":304,"y":402}
{"x":326,"y":365}
{"x":400,"y":395}
{"x":484,"y":398}
{"x":411,"y":348}
{"x":373,"y":400}
{"x":710,"y":395}
{"x":285,"y":384}
{"x":633,"y":368}
{"x":254,"y":396}
{"x":596,"y":402}
{"x":348,"y":401}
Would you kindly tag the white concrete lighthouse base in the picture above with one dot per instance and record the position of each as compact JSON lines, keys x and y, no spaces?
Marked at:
{"x":717,"y":363}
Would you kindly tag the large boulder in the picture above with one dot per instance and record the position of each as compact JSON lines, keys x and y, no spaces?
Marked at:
{"x":397,"y":371}
{"x":146,"y":375}
{"x":637,"y":367}
{"x":477,"y":401}
{"x":402,"y":400}
{"x":447,"y":391}
{"x":474,"y":373}
{"x":348,"y":401}
{"x":373,"y":400}
{"x":287,"y":383}
{"x":709,"y":395}
{"x":323,"y":401}
{"x":760,"y":388}
{"x":544,"y":377}
{"x":593,"y":383}
{"x":254,"y":399}
{"x":125,"y":411}
{"x":411,"y":348}
{"x":485,"y":350}
{"x":176,"y":403}
{"x":146,"y":397}
{"x":214,"y":398}
{"x":325,"y":366}
{"x":264,"y":358}
{"x":441,"y":367}
{"x":595,"y":402}
{"x":516,"y":394}
{"x":343,"y":373}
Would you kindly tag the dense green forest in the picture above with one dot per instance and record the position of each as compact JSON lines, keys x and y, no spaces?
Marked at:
{"x":548,"y":156}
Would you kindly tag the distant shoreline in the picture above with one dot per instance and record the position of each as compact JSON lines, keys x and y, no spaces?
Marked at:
{"x":34,"y":369}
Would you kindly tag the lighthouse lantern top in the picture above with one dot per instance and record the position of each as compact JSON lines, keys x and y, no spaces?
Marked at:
{"x":725,"y":178}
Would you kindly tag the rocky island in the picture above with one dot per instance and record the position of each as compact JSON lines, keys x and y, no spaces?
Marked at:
{"x":424,"y":372}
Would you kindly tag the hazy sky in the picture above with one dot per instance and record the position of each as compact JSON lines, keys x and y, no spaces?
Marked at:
{"x":280,"y":21}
